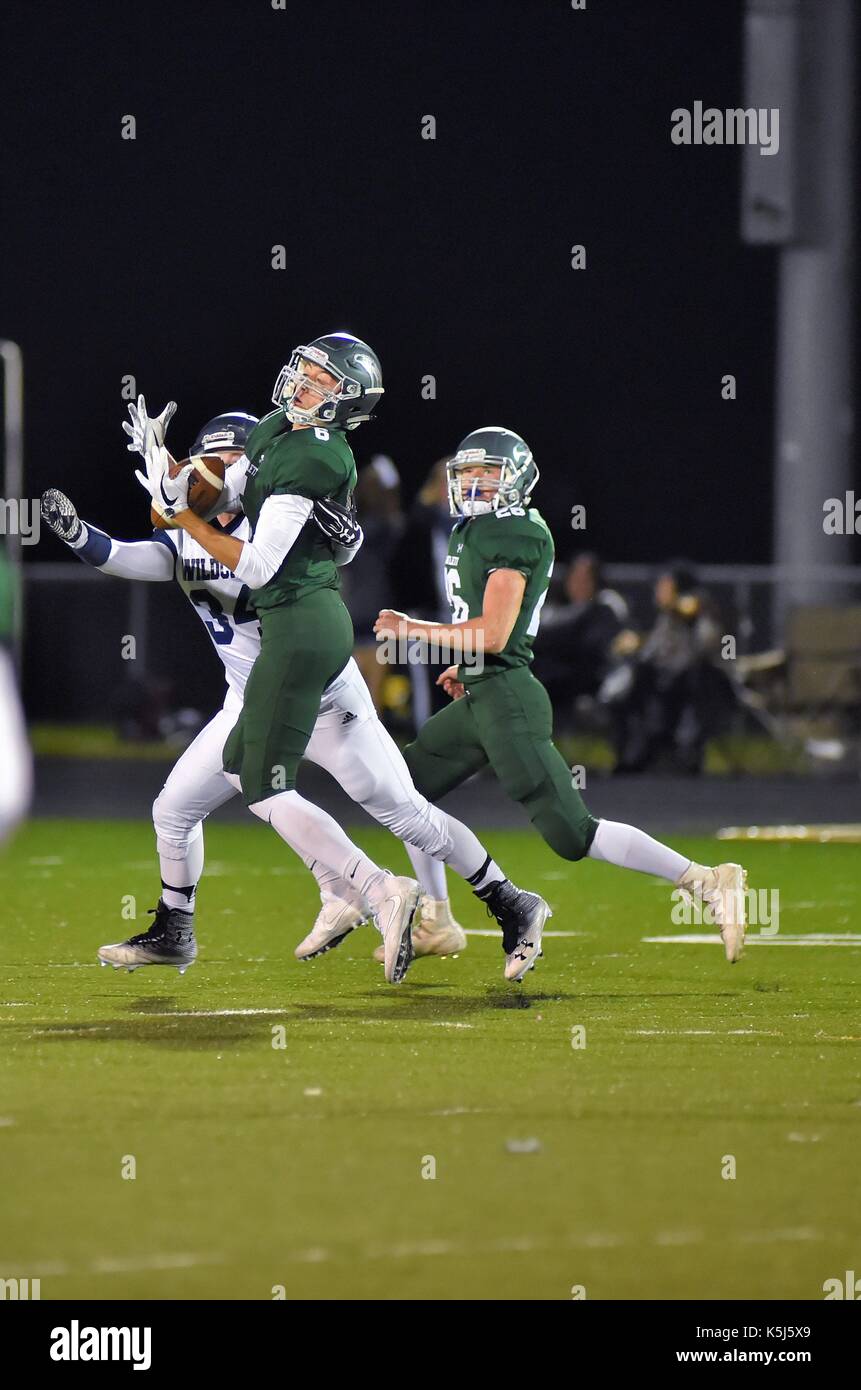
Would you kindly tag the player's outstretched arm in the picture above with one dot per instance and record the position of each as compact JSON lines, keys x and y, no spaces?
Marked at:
{"x":149,"y":560}
{"x":501,"y":603}
{"x":281,"y":519}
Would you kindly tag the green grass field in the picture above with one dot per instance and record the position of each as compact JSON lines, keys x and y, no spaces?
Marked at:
{"x":556,"y":1166}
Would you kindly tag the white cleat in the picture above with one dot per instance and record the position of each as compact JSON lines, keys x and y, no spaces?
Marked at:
{"x":395,"y":918}
{"x":126,"y":956}
{"x":335,"y":920}
{"x":724,"y":890}
{"x":522,"y":959}
{"x":169,"y":941}
{"x":436,"y":933}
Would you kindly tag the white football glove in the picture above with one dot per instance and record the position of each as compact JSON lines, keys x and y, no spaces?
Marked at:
{"x":169,"y":495}
{"x":144,"y":432}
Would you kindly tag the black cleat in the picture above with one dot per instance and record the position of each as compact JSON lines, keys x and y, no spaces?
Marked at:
{"x":169,"y":941}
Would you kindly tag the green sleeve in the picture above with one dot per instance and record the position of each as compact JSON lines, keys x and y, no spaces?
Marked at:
{"x":314,"y":470}
{"x":510,"y":549}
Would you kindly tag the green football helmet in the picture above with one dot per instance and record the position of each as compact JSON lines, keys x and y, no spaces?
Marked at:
{"x":518,"y":472}
{"x":351,"y":400}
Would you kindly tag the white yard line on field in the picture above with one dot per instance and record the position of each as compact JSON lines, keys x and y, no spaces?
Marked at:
{"x":812,"y":939}
{"x":133,"y":1264}
{"x":430,"y":1248}
{"x":179,"y":1013}
{"x":463,"y":1110}
{"x":700,"y":1033}
{"x":489,"y":931}
{"x":590,"y":1240}
{"x":111,"y":1264}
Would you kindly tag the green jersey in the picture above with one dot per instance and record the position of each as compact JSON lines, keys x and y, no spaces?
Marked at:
{"x":312,"y":463}
{"x":512,"y":539}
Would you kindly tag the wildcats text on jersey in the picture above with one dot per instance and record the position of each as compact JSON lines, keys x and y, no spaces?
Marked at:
{"x":204,"y":567}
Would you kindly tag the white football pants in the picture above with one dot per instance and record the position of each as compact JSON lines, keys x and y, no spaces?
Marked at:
{"x":351,"y":744}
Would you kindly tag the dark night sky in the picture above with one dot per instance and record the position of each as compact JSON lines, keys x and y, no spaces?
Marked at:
{"x":451,"y":257}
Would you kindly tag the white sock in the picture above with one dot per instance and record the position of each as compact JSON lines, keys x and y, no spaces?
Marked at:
{"x":333,"y":888}
{"x":631,"y":848}
{"x":467,"y":856}
{"x":313,"y":834}
{"x":470,"y":859}
{"x":181,"y":869}
{"x":430,"y":873}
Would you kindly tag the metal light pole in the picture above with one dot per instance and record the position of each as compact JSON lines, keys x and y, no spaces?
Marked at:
{"x":13,"y":459}
{"x":799,"y":58}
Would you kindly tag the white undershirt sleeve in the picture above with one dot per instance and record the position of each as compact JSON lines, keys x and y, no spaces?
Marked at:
{"x":234,"y":487}
{"x":153,"y":560}
{"x":281,"y":519}
{"x":140,"y":560}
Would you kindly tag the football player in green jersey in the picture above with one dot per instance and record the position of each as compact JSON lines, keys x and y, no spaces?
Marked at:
{"x":298,"y":456}
{"x":16,"y":777}
{"x":498,"y":568}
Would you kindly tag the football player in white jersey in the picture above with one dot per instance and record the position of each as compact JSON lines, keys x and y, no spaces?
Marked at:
{"x":349,"y":740}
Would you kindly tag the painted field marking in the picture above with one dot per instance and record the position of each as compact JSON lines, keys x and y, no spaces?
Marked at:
{"x":591,"y":1240}
{"x":120,"y":1264}
{"x":430,"y":1248}
{"x":489,"y":931}
{"x":185,"y":1013}
{"x":701,"y":1033}
{"x":812,"y":939}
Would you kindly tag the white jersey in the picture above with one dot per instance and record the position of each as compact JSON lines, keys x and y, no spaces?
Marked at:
{"x":221,"y":601}
{"x":223,"y":604}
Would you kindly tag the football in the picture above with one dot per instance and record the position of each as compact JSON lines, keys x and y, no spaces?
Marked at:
{"x":204,"y":489}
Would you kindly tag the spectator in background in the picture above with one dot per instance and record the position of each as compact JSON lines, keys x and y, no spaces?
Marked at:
{"x":418,"y":577}
{"x":573,"y":647}
{"x":663,"y":690}
{"x":367,"y":582}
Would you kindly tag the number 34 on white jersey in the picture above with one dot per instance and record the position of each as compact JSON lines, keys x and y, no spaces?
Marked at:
{"x":220,"y":600}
